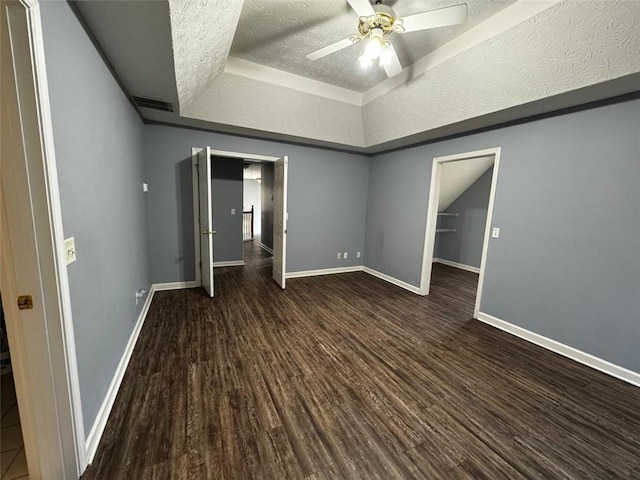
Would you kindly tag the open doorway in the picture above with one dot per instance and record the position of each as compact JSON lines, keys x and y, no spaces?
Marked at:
{"x":457,"y":234}
{"x":258,"y":202}
{"x":252,"y":202}
{"x":218,"y":217}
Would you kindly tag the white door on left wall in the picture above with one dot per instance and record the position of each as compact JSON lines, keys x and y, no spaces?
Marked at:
{"x":206,"y":224}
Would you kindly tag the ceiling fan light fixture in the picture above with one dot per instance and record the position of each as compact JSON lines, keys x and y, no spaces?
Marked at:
{"x":387,"y":54}
{"x":365,"y":61}
{"x":374,"y":48}
{"x":377,"y":21}
{"x":375,"y":45}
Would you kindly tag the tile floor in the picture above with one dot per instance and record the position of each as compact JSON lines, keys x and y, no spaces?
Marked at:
{"x":13,"y":464}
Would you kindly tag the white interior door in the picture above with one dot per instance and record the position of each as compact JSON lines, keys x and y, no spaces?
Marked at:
{"x":280,"y":220}
{"x":206,"y":228}
{"x":33,"y":272}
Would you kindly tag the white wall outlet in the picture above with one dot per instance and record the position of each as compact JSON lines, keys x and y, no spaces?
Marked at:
{"x":233,"y":211}
{"x":346,"y":255}
{"x":139,"y":294}
{"x":357,"y":254}
{"x":339,"y":255}
{"x":145,"y":187}
{"x":495,"y":233}
{"x":70,"y":250}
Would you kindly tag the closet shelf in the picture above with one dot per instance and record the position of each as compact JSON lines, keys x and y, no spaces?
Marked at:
{"x":446,"y":214}
{"x":446,"y":230}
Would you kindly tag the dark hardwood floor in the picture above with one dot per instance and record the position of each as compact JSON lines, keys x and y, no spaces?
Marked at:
{"x":348,"y":377}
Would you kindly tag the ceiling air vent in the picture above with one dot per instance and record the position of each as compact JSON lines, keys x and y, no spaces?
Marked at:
{"x":155,"y":104}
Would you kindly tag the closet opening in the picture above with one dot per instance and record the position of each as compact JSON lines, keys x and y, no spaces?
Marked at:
{"x":459,"y":215}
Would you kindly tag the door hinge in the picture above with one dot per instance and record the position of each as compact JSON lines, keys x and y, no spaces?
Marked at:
{"x":25,"y":302}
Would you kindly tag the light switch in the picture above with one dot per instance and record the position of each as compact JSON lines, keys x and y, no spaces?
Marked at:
{"x":70,"y":250}
{"x":495,"y":233}
{"x":233,"y":211}
{"x":145,"y":187}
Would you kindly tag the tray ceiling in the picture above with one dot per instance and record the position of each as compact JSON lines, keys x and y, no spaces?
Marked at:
{"x":280,"y":33}
{"x":558,"y":54}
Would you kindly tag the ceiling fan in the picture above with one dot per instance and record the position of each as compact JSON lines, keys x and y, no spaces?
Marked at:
{"x":378,"y":21}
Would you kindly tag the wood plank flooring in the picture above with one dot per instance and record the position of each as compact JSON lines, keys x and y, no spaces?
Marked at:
{"x":348,"y":377}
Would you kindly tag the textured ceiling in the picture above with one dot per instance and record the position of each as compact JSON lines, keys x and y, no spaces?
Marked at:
{"x":458,"y":176}
{"x":280,"y":33}
{"x":202,"y":31}
{"x":570,"y":46}
{"x":530,"y":58}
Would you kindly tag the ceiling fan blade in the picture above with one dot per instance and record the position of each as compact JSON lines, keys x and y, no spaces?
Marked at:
{"x":390,"y":62}
{"x":362,"y":8}
{"x":334,"y":47}
{"x":435,"y":18}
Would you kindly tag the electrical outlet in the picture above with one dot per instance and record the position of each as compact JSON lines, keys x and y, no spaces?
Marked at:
{"x":346,"y":255}
{"x":357,"y":254}
{"x":233,"y":211}
{"x":495,"y":233}
{"x":70,"y":250}
{"x":139,"y":294}
{"x":339,"y":255}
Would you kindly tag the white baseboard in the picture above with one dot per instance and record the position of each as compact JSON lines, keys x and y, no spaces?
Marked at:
{"x":93,"y":439}
{"x":355,"y":268}
{"x":461,"y":266}
{"x":233,"y":263}
{"x":395,"y":281}
{"x":587,"y":359}
{"x":159,"y":287}
{"x":264,"y":247}
{"x":324,"y":271}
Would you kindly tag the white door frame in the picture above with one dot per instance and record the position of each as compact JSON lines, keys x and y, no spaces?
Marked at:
{"x":196,"y":194}
{"x":432,"y":217}
{"x":44,"y":358}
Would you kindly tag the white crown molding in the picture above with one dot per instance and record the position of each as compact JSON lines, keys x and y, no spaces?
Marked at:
{"x":570,"y":352}
{"x":262,"y":73}
{"x":511,"y":16}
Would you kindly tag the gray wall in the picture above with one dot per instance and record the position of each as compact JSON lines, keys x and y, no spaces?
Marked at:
{"x":226,"y":194}
{"x":99,"y":152}
{"x":465,"y":244}
{"x":327,"y":200}
{"x":267,"y":205}
{"x":566,"y":264}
